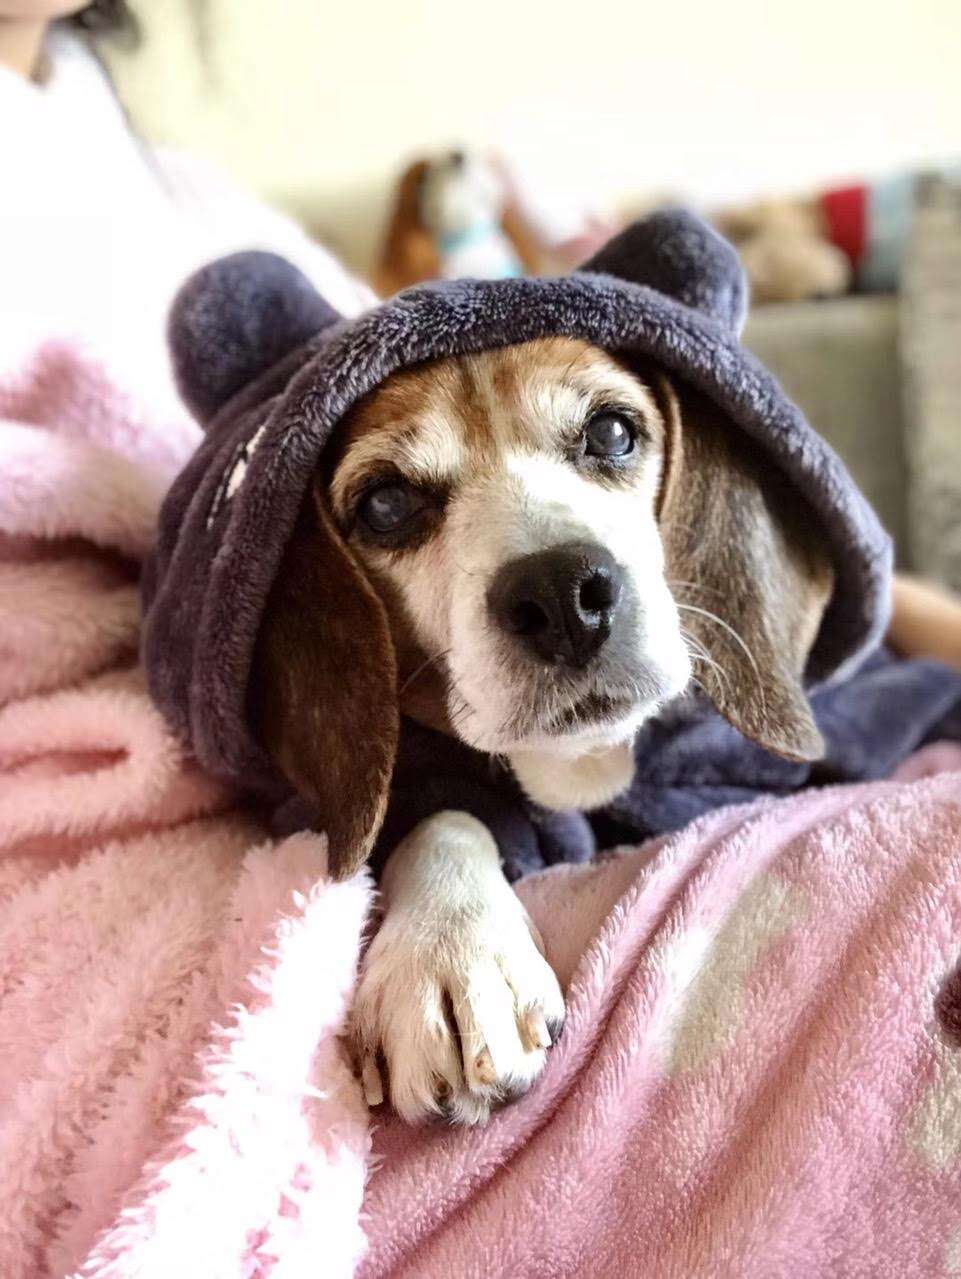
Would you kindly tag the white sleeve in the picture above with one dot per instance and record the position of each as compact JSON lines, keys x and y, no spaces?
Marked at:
{"x":226,"y":219}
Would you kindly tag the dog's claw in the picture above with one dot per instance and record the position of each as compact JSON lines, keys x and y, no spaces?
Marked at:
{"x":371,"y":1081}
{"x":484,"y":1072}
{"x":534,"y":1029}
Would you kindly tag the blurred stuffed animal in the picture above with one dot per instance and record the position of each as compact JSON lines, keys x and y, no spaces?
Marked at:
{"x":454,"y":216}
{"x":786,"y":251}
{"x":844,"y":238}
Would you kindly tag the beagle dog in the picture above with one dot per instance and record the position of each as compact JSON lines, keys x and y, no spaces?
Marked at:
{"x":515,"y":520}
{"x":561,"y":543}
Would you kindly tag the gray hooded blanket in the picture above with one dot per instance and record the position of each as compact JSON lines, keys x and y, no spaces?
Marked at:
{"x":272,"y":371}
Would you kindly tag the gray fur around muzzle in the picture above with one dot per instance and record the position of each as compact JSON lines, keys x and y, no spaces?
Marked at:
{"x":272,"y":372}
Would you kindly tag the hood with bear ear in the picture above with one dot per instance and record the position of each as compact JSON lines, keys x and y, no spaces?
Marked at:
{"x":271,"y":371}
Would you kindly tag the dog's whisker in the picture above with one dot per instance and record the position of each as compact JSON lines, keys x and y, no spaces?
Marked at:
{"x":697,"y":586}
{"x":699,"y":654}
{"x":468,"y":572}
{"x":458,"y":715}
{"x":725,"y":626}
{"x":718,"y":669}
{"x":423,"y":667}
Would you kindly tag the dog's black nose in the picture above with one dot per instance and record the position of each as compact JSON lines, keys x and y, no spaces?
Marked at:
{"x":560,"y":602}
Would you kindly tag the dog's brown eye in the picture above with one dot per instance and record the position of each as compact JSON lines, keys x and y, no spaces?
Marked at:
{"x":608,"y":435}
{"x":388,"y":507}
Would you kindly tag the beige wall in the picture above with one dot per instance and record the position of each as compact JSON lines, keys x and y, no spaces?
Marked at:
{"x":316,"y":104}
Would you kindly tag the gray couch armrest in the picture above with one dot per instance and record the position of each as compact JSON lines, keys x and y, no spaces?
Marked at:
{"x":931,"y":363}
{"x":839,"y":361}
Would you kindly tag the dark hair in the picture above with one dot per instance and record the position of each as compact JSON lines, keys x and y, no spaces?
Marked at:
{"x":106,"y":18}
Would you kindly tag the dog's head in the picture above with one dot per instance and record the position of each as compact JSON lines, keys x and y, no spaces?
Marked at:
{"x":535,"y":548}
{"x":527,"y":512}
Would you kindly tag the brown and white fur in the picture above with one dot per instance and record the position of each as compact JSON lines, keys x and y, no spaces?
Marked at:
{"x":720,"y":576}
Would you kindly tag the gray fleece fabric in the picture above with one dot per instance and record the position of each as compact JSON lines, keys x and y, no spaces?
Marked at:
{"x":272,"y":371}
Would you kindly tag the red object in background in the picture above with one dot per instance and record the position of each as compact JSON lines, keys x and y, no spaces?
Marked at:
{"x":846,"y":216}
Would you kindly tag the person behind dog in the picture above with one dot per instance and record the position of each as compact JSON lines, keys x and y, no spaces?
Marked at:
{"x":98,"y":230}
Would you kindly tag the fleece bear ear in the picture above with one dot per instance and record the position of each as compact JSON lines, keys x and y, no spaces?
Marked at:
{"x":234,"y":319}
{"x":678,"y":254}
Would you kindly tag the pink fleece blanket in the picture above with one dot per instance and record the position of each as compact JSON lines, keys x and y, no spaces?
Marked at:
{"x":761,"y":1070}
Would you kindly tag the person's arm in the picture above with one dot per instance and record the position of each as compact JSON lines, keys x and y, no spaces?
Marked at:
{"x":926,"y":620}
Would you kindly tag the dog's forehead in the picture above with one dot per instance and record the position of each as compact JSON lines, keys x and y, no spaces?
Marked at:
{"x":435,"y":420}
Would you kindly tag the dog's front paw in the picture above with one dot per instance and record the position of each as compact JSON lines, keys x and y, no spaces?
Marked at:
{"x":462,"y":1017}
{"x":459,"y":1004}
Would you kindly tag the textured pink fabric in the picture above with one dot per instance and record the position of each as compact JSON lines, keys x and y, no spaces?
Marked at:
{"x":758,"y":1076}
{"x":761,"y":1070}
{"x":174,"y":1097}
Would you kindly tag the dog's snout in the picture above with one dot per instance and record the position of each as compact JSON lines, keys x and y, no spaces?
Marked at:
{"x":560,"y":602}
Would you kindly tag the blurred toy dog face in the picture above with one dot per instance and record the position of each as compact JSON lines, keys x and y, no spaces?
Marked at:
{"x":457,"y":190}
{"x":507,"y":500}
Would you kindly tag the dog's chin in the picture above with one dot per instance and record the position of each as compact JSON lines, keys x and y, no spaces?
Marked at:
{"x":578,"y":754}
{"x":595,"y":715}
{"x":584,"y":780}
{"x":592,"y":722}
{"x":602,"y":713}
{"x":581,"y":758}
{"x":595,"y":722}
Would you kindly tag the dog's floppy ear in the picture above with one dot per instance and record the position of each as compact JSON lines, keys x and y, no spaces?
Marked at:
{"x":748,"y":569}
{"x":323,"y":695}
{"x":743,"y":556}
{"x":678,"y":254}
{"x":409,"y":254}
{"x":234,"y":319}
